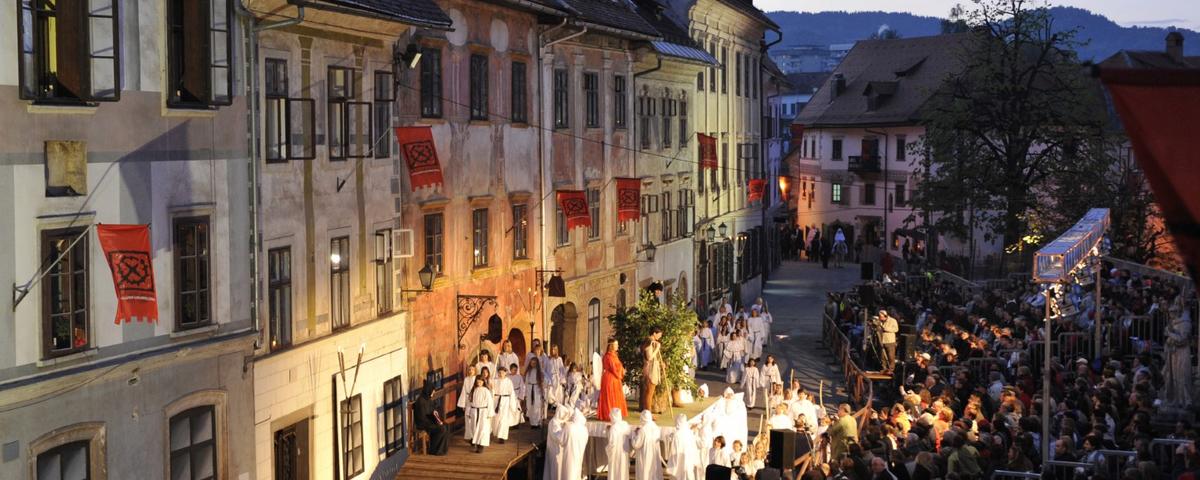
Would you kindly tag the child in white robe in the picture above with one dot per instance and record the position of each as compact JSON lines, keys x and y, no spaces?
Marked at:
{"x":752,"y":382}
{"x":535,"y":395}
{"x":464,"y":397}
{"x":770,"y":371}
{"x":518,"y":382}
{"x":485,"y":361}
{"x":646,"y":449}
{"x":507,"y":356}
{"x":508,"y":412}
{"x":685,"y":453}
{"x":480,"y":411}
{"x":618,"y":447}
{"x":736,"y":356}
{"x":718,"y":454}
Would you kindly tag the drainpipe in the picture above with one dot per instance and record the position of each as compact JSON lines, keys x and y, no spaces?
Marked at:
{"x":762,"y":160}
{"x":252,"y":92}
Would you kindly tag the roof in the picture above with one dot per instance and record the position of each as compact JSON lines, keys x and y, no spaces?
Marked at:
{"x":747,"y":7}
{"x":905,"y":72}
{"x":687,"y":53}
{"x":675,"y":40}
{"x":614,"y":14}
{"x":415,"y":12}
{"x":1148,"y":59}
{"x":773,"y":69}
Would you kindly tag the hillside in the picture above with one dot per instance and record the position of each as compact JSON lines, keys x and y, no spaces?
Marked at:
{"x":1104,"y":37}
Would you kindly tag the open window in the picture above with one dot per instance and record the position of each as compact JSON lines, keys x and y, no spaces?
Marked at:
{"x":349,"y":120}
{"x":69,"y":51}
{"x":199,"y":49}
{"x":289,"y":121}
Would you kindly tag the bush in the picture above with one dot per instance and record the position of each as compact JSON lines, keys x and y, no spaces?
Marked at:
{"x":678,"y":323}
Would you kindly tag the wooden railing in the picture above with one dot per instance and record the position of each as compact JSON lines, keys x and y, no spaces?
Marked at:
{"x":858,"y":385}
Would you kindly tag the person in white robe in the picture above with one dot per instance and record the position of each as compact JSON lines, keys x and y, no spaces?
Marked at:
{"x":770,"y":372}
{"x":535,"y":351}
{"x":507,"y":356}
{"x":518,"y":382}
{"x":485,"y":361}
{"x":781,"y":420}
{"x":752,"y":382}
{"x":618,"y":446}
{"x":732,"y":423}
{"x":480,"y":411}
{"x":574,"y":445}
{"x":554,"y":433}
{"x":707,"y":433}
{"x":723,"y":335}
{"x":684,"y":463}
{"x":706,"y":345}
{"x":736,"y":354}
{"x":646,"y":449}
{"x":535,"y":395}
{"x":508,"y":412}
{"x":464,"y":397}
{"x":757,"y":334}
{"x":556,"y":376}
{"x":804,"y":406}
{"x":718,"y":454}
{"x":694,"y":353}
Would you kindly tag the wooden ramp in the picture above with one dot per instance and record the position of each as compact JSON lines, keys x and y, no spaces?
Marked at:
{"x":463,"y":463}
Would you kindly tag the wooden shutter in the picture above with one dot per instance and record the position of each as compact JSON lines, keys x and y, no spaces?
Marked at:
{"x":220,"y":53}
{"x":71,"y":71}
{"x":27,"y":64}
{"x":104,"y":57}
{"x":194,"y":77}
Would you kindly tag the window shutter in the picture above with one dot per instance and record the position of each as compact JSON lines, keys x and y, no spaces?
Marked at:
{"x":194,"y":77}
{"x":220,"y":52}
{"x":104,"y":58}
{"x":28,"y":57}
{"x":70,"y":49}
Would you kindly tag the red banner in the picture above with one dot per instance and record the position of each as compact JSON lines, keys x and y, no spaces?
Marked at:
{"x":629,"y":198}
{"x":708,"y":151}
{"x":416,"y":143}
{"x":1160,"y":110}
{"x":757,"y":188}
{"x":127,"y":249}
{"x":575,"y":208}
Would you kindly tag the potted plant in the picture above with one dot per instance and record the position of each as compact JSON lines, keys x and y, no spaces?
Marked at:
{"x":632,"y":326}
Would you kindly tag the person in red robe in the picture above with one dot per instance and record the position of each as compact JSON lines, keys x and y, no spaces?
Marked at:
{"x":611,"y":394}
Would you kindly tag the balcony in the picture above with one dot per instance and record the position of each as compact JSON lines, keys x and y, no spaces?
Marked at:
{"x":863,"y":164}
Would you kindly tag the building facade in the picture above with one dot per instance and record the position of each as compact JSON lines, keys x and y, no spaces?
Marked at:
{"x":332,"y":373}
{"x":82,"y":395}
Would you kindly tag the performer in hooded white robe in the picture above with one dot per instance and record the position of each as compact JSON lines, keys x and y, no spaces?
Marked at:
{"x":464,"y":397}
{"x":618,"y":447}
{"x":684,"y":463}
{"x":508,"y":412}
{"x":574,"y":445}
{"x":735,"y":352}
{"x":732,"y":422}
{"x":481,"y":410}
{"x":554,"y":433}
{"x":535,"y":395}
{"x":646,"y":449}
{"x":752,"y":382}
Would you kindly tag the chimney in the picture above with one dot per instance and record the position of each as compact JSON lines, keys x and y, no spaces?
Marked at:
{"x":839,"y":84}
{"x":1175,"y":46}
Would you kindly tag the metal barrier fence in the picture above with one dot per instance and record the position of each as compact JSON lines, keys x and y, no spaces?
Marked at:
{"x":1162,"y":452}
{"x":1069,"y":470}
{"x":1073,"y":345}
{"x":980,"y":367}
{"x":1115,"y":462}
{"x":1011,"y":475}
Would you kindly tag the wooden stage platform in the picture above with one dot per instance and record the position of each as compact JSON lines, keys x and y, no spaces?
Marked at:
{"x":463,"y":463}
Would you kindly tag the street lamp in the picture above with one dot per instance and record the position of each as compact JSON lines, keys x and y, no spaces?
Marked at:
{"x":723,"y":229}
{"x":650,"y":249}
{"x":710,"y":233}
{"x":425,"y":275}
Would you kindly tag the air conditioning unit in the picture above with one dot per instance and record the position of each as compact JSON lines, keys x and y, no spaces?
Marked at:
{"x":402,"y":243}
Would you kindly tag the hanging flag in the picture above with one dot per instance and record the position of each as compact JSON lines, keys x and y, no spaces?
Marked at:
{"x":575,"y":208}
{"x":629,"y":197}
{"x":757,"y":188}
{"x":416,"y":143}
{"x":1160,"y":110}
{"x":127,"y":249}
{"x":708,"y":151}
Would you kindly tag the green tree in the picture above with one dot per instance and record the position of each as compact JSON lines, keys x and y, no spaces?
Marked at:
{"x":1000,"y":129}
{"x":632,"y":326}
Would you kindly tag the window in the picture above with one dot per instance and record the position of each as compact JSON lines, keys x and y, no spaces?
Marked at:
{"x":644,"y":105}
{"x":619,"y":101}
{"x":348,"y":129}
{"x":836,"y":191}
{"x":479,"y":87}
{"x":563,"y":235}
{"x":667,"y":214}
{"x":868,"y":194}
{"x":737,"y":75}
{"x":684,"y":134}
{"x":394,"y":429}
{"x":279,"y":296}
{"x":290,"y":122}
{"x":382,"y":133}
{"x":191,"y":273}
{"x":67,"y":51}
{"x":724,"y":70}
{"x":687,"y":208}
{"x":65,"y":291}
{"x":198,"y":53}
{"x":901,"y":148}
{"x":593,"y":200}
{"x":433,"y":242}
{"x":594,"y":340}
{"x":194,"y":444}
{"x":384,"y":273}
{"x":837,"y":149}
{"x":725,"y":164}
{"x":520,"y":97}
{"x":668,"y":107}
{"x":479,"y":237}
{"x":591,"y":92}
{"x":562,"y":110}
{"x":339,"y":282}
{"x":431,"y":82}
{"x":520,"y":231}
{"x":65,"y":462}
{"x":901,"y":195}
{"x":352,"y":436}
{"x":700,"y":81}
{"x":712,"y":71}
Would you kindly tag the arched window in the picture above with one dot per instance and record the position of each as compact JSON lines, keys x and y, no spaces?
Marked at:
{"x":594,"y":341}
